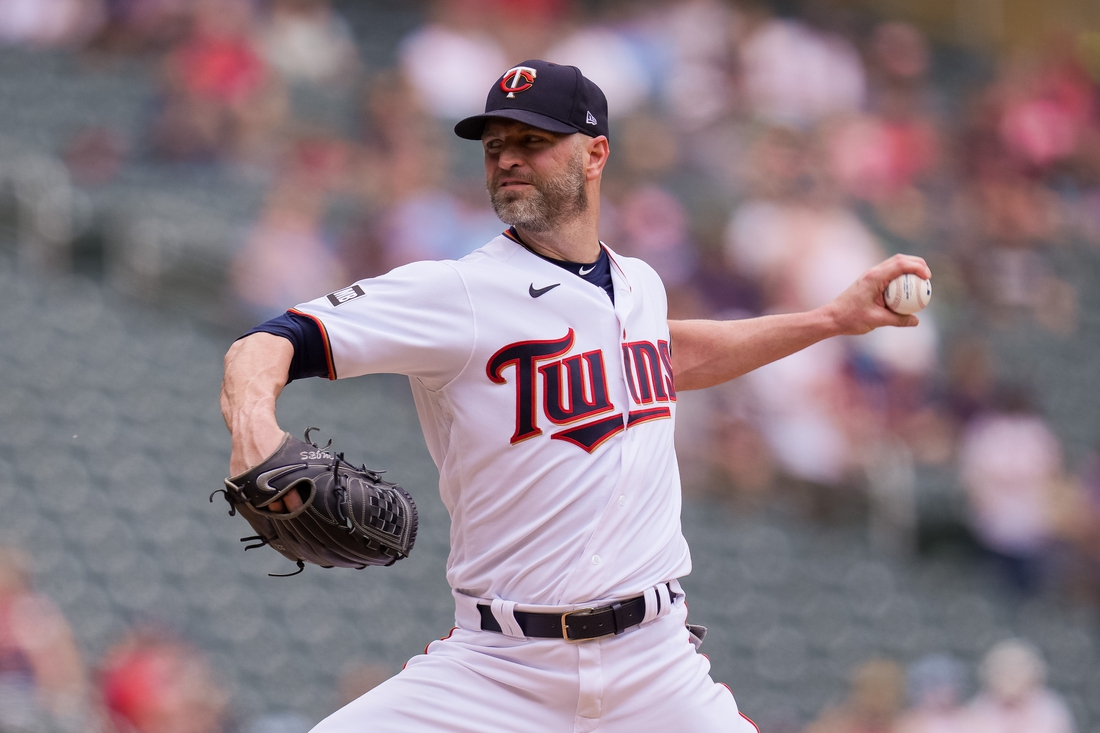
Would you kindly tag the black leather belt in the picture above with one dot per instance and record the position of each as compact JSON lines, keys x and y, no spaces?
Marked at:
{"x":579,"y":625}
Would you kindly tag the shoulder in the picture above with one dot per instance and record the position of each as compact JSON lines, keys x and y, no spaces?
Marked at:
{"x":500,"y":250}
{"x":420,"y":270}
{"x":417,"y":284}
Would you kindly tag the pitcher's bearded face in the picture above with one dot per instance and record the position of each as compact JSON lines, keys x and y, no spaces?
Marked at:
{"x":539,"y":202}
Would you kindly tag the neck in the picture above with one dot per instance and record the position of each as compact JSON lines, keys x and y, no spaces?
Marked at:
{"x":575,"y":240}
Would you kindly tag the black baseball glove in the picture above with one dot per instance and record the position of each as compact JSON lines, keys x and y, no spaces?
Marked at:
{"x":349,"y":517}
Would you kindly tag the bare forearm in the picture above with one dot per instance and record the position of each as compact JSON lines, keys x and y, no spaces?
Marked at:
{"x":256,"y":369}
{"x":706,"y":353}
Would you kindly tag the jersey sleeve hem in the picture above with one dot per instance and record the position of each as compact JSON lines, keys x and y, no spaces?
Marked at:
{"x":324,"y":336}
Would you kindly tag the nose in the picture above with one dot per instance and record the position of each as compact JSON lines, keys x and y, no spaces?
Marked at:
{"x":509,"y":157}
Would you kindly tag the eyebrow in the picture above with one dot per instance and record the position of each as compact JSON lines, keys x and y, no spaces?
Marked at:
{"x":525,"y":131}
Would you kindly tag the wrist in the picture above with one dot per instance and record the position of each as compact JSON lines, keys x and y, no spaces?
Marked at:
{"x":254,"y":419}
{"x":828,"y":319}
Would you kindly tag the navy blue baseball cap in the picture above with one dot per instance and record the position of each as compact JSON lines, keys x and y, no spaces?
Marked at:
{"x":544,"y":95}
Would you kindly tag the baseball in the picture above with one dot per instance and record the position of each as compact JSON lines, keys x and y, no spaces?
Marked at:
{"x":908,"y":294}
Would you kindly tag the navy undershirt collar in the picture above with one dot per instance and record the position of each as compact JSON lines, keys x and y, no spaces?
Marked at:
{"x":598,"y":273}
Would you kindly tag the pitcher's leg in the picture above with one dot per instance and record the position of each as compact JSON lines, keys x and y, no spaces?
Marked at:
{"x":662,"y":683}
{"x":462,"y":686}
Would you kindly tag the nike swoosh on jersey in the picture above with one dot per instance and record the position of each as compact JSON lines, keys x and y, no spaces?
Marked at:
{"x":582,"y":272}
{"x":537,"y":292}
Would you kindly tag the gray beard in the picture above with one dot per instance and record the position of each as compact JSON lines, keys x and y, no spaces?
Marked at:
{"x":553,"y":200}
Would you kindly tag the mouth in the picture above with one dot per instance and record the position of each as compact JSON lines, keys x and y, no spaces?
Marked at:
{"x":512,"y":183}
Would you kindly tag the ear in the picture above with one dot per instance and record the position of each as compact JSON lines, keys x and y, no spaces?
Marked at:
{"x":597,"y":149}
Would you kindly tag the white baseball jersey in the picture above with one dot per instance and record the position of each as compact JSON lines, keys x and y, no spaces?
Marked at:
{"x":547,"y":409}
{"x":549,"y":412}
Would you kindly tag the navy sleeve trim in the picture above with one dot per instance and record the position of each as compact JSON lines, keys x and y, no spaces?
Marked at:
{"x":312,"y":355}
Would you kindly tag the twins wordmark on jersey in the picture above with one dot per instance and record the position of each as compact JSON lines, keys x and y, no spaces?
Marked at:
{"x":574,"y":388}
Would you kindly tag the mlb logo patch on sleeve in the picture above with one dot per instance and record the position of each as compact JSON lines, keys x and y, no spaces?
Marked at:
{"x":347,"y":294}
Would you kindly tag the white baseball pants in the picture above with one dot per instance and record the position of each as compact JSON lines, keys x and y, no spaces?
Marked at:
{"x":650,"y":678}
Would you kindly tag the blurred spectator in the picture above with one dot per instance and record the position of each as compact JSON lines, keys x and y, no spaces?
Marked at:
{"x":306,"y":41}
{"x":218,"y":95}
{"x":873,"y":704}
{"x":823,"y":419}
{"x":796,"y":75}
{"x":139,"y":26}
{"x":610,"y":58}
{"x":936,"y":687}
{"x":526,"y":28}
{"x":152,"y":683}
{"x":1045,"y":111}
{"x":802,"y":400}
{"x":721,"y":449}
{"x":1014,"y":695}
{"x":405,"y":148}
{"x":645,"y":213}
{"x":1008,"y":463}
{"x":451,"y":61}
{"x":50,"y":23}
{"x":692,"y":49}
{"x":418,"y":210}
{"x":887,"y":155}
{"x":971,"y":378}
{"x":793,"y":234}
{"x":1023,"y":133}
{"x":882,"y":156}
{"x":876,"y":159}
{"x":1011,"y":217}
{"x":287,"y":258}
{"x":1077,"y":517}
{"x":435,"y":224}
{"x":43,"y":685}
{"x":900,"y":55}
{"x":653,"y":225}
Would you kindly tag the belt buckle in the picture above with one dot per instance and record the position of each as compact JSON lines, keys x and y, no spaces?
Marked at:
{"x":565,"y":628}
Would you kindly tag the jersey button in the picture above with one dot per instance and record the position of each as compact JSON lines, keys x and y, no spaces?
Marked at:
{"x":622,"y":501}
{"x":595,"y":559}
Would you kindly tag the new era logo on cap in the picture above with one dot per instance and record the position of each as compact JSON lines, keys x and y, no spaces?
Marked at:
{"x":544,"y":95}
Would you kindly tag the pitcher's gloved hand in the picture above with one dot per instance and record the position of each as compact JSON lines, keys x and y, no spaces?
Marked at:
{"x":349,"y":517}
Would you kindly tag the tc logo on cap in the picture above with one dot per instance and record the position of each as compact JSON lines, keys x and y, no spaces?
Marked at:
{"x":518,"y":79}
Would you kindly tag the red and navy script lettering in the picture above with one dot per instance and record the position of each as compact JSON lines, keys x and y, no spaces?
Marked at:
{"x":523,"y":355}
{"x":574,"y":389}
{"x":579,"y":397}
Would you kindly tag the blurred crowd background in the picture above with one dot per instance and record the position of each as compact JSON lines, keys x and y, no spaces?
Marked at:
{"x":899,"y":532}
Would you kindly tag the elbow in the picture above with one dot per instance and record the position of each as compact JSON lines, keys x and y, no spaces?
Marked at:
{"x":234,"y":350}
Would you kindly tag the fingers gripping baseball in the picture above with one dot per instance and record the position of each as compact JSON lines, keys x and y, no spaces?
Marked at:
{"x":862,"y":307}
